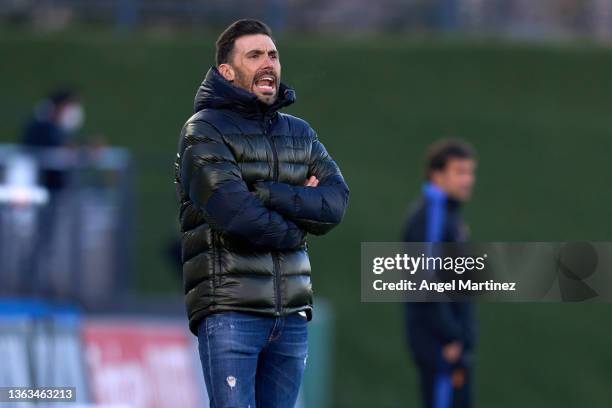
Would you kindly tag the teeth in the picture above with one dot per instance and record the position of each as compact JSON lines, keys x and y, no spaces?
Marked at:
{"x":266,"y":83}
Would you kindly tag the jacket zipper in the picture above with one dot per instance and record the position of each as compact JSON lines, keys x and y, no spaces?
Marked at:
{"x":274,"y":151}
{"x":216,"y":262}
{"x":275,"y":256}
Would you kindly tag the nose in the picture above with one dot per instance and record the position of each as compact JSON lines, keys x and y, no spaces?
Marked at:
{"x":268,"y":62}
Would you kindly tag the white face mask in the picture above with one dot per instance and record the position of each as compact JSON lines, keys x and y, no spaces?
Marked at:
{"x":71,"y":118}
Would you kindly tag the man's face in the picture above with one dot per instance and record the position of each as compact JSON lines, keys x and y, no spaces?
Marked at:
{"x":70,"y":116}
{"x":254,"y":66}
{"x":457,"y":178}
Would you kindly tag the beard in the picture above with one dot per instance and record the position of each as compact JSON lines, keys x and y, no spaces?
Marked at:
{"x":242,"y":80}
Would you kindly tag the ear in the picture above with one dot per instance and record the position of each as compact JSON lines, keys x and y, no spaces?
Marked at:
{"x":436,"y":177}
{"x":227,"y":72}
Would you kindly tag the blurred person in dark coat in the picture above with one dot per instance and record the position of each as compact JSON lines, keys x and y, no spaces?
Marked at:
{"x":441,"y":336}
{"x":54,"y":121}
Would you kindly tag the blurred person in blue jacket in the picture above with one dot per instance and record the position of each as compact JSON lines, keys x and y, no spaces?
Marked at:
{"x":441,"y":336}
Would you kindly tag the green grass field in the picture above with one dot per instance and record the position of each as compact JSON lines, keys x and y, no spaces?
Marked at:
{"x":538,"y":115}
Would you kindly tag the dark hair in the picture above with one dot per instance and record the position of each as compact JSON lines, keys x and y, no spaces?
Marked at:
{"x":63,"y":95}
{"x":442,"y":151}
{"x":225,"y":42}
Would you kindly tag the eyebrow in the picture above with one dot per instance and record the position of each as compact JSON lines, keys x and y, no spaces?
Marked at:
{"x":260,"y":51}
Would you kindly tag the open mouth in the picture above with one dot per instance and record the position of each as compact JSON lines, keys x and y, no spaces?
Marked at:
{"x":265,"y":84}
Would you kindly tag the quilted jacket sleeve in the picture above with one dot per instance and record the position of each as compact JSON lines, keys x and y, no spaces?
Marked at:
{"x":315,"y":209}
{"x":213,"y":182}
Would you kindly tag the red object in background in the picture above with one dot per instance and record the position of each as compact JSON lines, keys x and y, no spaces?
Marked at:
{"x":141,"y":365}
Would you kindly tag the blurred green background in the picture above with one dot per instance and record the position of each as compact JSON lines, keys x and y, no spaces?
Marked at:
{"x":538,"y":115}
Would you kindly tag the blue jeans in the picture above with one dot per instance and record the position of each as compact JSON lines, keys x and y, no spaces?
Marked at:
{"x":253,"y":361}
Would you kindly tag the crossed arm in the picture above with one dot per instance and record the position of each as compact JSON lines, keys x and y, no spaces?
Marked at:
{"x":213,"y":180}
{"x":320,"y":204}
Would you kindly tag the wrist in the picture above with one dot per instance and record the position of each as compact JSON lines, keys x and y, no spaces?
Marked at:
{"x":261,"y":189}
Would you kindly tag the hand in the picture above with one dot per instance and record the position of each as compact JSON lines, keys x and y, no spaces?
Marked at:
{"x":452,"y":352}
{"x":311,"y":182}
{"x":261,"y":191}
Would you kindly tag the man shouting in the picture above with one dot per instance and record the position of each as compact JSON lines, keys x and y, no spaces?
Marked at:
{"x":252,"y":183}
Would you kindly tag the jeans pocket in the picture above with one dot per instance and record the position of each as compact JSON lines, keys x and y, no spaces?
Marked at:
{"x":212,"y":323}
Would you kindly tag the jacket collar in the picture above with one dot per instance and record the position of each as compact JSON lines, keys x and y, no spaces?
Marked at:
{"x":433,"y":192}
{"x":217,"y":93}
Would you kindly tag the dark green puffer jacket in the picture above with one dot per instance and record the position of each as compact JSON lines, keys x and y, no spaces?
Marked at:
{"x":244,"y":212}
